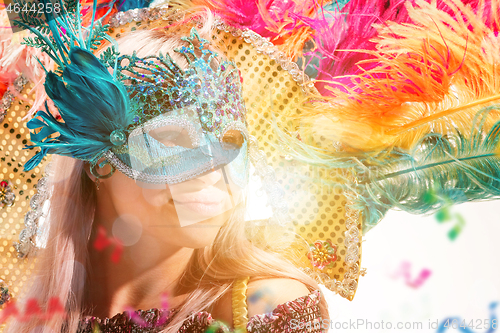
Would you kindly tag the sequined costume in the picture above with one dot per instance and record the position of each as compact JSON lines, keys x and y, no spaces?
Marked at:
{"x":288,"y":317}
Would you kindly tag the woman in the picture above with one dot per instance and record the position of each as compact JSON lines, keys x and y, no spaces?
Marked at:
{"x":183,"y":230}
{"x":379,"y":97}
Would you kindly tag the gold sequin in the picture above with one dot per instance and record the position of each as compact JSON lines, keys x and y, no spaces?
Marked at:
{"x":13,"y":136}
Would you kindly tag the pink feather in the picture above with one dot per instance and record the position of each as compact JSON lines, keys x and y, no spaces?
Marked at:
{"x":16,"y":59}
{"x":265,"y":17}
{"x":343,"y":40}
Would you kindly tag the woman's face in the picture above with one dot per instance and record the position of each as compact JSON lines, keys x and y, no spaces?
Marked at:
{"x":188,"y":214}
{"x":203,"y":132}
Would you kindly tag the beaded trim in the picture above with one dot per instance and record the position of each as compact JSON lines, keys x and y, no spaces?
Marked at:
{"x":9,"y":97}
{"x":142,"y":177}
{"x":162,"y":120}
{"x":138,"y":15}
{"x":27,"y":244}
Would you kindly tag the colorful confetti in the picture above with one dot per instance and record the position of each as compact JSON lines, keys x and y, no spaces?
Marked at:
{"x":405,"y":271}
{"x":33,"y":310}
{"x":444,"y":215}
{"x":103,"y":241}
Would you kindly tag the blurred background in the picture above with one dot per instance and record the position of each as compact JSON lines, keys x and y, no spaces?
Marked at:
{"x":464,"y":280}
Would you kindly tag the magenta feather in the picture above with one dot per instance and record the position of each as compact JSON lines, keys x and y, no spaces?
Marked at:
{"x":339,"y":39}
{"x":265,"y":17}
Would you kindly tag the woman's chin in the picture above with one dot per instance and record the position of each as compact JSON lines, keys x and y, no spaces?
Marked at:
{"x":203,"y":238}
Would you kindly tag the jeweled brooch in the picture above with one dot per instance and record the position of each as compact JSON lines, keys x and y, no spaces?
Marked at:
{"x":322,"y":254}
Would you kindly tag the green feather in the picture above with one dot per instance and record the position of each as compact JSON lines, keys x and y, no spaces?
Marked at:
{"x":456,"y":167}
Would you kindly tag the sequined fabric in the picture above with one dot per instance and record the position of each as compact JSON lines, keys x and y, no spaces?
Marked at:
{"x":300,"y":315}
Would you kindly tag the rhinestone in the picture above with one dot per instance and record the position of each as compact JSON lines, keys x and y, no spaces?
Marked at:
{"x":163,"y":12}
{"x":5,"y":102}
{"x":9,"y":198}
{"x":23,"y":236}
{"x":121,"y":20}
{"x":41,"y":182}
{"x":135,"y":15}
{"x":118,"y":16}
{"x":126,"y":17}
{"x":113,"y":22}
{"x":29,"y":218}
{"x":144,"y":14}
{"x":34,"y":201}
{"x":18,"y":83}
{"x":154,"y":14}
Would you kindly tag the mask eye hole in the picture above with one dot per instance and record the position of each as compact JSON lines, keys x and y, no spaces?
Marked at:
{"x":172,"y":136}
{"x":234,"y":137}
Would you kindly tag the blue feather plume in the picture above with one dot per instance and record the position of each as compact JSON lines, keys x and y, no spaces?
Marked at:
{"x":460,"y":167}
{"x":92,"y":104}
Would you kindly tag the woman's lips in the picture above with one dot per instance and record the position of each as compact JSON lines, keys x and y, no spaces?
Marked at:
{"x":209,"y":195}
{"x":208,"y":201}
{"x":200,"y":208}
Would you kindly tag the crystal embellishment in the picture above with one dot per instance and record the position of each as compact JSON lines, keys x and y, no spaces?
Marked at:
{"x":7,"y":196}
{"x":118,"y":137}
{"x":4,"y":293}
{"x":8,"y":96}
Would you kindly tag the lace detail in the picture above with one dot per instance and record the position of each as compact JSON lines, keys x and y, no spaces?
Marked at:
{"x":287,"y":317}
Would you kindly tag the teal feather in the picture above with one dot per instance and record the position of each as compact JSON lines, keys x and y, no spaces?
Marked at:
{"x":457,"y":167}
{"x":92,"y":104}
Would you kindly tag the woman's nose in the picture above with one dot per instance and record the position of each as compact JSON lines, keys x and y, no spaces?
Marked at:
{"x":211,"y":178}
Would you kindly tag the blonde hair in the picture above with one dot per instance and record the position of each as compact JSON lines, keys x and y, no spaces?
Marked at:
{"x":210,"y":272}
